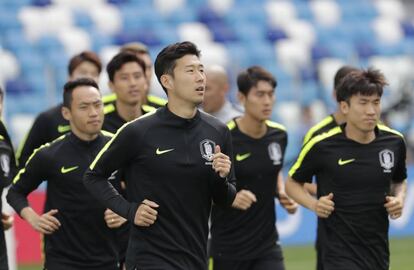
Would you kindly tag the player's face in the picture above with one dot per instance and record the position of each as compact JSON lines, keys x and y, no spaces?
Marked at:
{"x":214,"y":95}
{"x":362,"y":112}
{"x":189,"y":81}
{"x":259,"y":101}
{"x":86,"y":111}
{"x":85,"y":70}
{"x":129,"y":84}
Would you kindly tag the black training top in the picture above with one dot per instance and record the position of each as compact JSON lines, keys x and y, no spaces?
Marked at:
{"x":238,"y":234}
{"x":324,"y":125}
{"x":83,"y":241}
{"x":113,"y":121}
{"x":47,"y":126}
{"x":166,"y":159}
{"x":7,"y":172}
{"x":355,"y":236}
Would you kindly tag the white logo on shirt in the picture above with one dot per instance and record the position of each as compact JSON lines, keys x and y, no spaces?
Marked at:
{"x":275,"y":153}
{"x":386,"y":158}
{"x":207,"y":150}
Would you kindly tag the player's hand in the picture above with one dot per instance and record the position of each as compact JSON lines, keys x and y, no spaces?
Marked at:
{"x":7,"y":221}
{"x":394,"y":206}
{"x":46,"y":223}
{"x":290,"y":205}
{"x":244,"y":199}
{"x":146,"y":215}
{"x":324,"y":206}
{"x":113,"y":220}
{"x":221,"y":162}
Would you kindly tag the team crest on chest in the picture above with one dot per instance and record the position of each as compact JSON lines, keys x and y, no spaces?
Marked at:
{"x":207,"y":150}
{"x":275,"y":153}
{"x":386,"y":158}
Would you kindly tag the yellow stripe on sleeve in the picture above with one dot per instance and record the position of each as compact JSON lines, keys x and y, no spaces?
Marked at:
{"x":326,"y":121}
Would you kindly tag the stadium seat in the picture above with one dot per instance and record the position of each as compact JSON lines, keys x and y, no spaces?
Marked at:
{"x":292,"y":54}
{"x":301,"y":31}
{"x":388,"y":30}
{"x":326,"y":13}
{"x":107,"y":18}
{"x":196,"y":32}
{"x":9,"y":66}
{"x":167,"y":6}
{"x":280,"y":13}
{"x":390,"y":8}
{"x":75,"y":40}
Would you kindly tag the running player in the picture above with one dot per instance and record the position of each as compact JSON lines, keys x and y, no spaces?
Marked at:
{"x":75,"y":233}
{"x":249,"y":239}
{"x":174,"y":168}
{"x":360,"y":171}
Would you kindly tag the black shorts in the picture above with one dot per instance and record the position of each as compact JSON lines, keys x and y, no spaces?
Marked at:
{"x":271,"y":261}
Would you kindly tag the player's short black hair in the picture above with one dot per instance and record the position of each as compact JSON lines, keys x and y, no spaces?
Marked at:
{"x":251,"y":76}
{"x":85,"y":56}
{"x":364,"y":82}
{"x":166,"y":59}
{"x":119,"y":60}
{"x":71,"y":85}
{"x":341,"y":73}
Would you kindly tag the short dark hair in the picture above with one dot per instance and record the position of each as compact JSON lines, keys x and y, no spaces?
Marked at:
{"x":119,"y":60}
{"x":85,"y":56}
{"x":364,"y":82}
{"x":341,"y":73}
{"x":166,"y":59}
{"x":251,"y":76}
{"x":71,"y":85}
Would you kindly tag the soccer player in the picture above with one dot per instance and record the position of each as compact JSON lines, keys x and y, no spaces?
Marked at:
{"x":215,"y":101}
{"x":7,"y":172}
{"x":127,"y":80}
{"x":76,"y":235}
{"x":50,"y":124}
{"x":141,"y":52}
{"x":329,"y":122}
{"x":360,"y":171}
{"x":176,"y":161}
{"x":249,"y":239}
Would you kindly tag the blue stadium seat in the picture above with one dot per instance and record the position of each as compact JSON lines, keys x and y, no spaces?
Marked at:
{"x":41,"y":3}
{"x":182,"y":15}
{"x":365,"y":50}
{"x":221,"y":32}
{"x":82,"y":19}
{"x":320,"y":51}
{"x":17,"y":87}
{"x":274,"y":34}
{"x":208,"y":15}
{"x":408,"y":28}
{"x":8,"y":19}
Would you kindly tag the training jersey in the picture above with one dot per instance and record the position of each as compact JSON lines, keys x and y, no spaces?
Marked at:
{"x":7,"y":172}
{"x":166,"y":159}
{"x":249,"y":234}
{"x":113,"y":121}
{"x":47,"y":126}
{"x":355,"y":236}
{"x":324,"y":125}
{"x":83,"y":241}
{"x":152,"y":100}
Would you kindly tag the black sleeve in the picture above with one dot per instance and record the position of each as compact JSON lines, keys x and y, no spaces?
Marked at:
{"x":27,"y":180}
{"x":114,"y":155}
{"x":224,"y":190}
{"x":400,"y":173}
{"x":306,"y":165}
{"x":34,"y":139}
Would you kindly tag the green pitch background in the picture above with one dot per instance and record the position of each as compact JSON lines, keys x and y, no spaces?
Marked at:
{"x":303,"y":257}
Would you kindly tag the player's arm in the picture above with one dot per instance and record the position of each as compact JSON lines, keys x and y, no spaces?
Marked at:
{"x":32,"y":140}
{"x":117,"y":153}
{"x":302,"y":172}
{"x":290,"y":205}
{"x":27,"y":180}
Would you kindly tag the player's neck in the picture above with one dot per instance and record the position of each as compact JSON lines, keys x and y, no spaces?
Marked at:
{"x":83,"y":136}
{"x":181,"y":108}
{"x":356,"y":134}
{"x":251,"y":126}
{"x":128,"y":112}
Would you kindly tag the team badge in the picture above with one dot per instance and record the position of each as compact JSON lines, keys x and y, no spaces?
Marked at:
{"x":275,"y":153}
{"x":207,"y":150}
{"x":5,"y":164}
{"x":386,"y":158}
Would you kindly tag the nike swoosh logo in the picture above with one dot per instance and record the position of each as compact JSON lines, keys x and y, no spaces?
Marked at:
{"x":241,"y":157}
{"x":66,"y":170}
{"x":63,"y":128}
{"x":343,"y":162}
{"x":160,"y":152}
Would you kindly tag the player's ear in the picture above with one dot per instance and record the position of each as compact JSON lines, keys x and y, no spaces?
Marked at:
{"x":166,"y":81}
{"x":66,"y":113}
{"x":241,"y":97}
{"x":111,"y":86}
{"x":344,"y":107}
